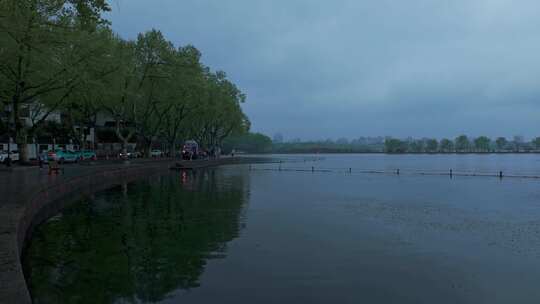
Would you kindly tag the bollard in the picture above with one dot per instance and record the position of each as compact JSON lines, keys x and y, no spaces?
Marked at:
{"x":451,"y":173}
{"x":312,"y":169}
{"x":397,"y":171}
{"x":350,"y":170}
{"x":500,"y":174}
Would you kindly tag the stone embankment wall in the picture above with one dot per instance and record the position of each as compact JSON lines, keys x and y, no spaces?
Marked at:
{"x":45,"y":200}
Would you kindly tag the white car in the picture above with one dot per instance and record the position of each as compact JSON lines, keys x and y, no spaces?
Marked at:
{"x":132,"y":154}
{"x":156,"y":153}
{"x":4,"y":155}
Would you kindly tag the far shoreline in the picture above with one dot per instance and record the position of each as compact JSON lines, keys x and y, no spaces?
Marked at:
{"x":388,"y":153}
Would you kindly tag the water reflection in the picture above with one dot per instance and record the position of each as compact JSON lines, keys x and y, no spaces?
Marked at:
{"x":138,"y":242}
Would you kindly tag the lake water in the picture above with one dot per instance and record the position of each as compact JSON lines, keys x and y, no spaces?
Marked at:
{"x":235,"y":235}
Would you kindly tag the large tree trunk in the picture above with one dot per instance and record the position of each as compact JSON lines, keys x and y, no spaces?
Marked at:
{"x":94,"y":140}
{"x":124,"y":139}
{"x":125,"y":143}
{"x":147,"y":147}
{"x":172,"y":149}
{"x":83,"y":140}
{"x":22,"y":146}
{"x":19,"y":129}
{"x":21,"y":139}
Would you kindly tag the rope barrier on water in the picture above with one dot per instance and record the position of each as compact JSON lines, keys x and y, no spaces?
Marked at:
{"x":451,"y":173}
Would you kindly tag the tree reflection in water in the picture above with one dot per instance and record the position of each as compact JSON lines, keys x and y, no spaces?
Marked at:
{"x":138,"y":242}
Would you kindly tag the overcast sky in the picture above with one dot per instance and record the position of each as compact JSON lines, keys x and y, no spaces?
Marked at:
{"x":319,"y":69}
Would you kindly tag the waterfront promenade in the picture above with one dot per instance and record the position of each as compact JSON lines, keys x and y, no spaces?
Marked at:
{"x":29,"y":195}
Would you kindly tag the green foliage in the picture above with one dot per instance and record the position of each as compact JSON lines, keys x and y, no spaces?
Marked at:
{"x":462,"y":143}
{"x":160,"y":92}
{"x":3,"y":127}
{"x":324,"y":147}
{"x":393,"y":145}
{"x":54,"y":131}
{"x":536,"y":143}
{"x":416,"y":146}
{"x":249,"y":143}
{"x":61,"y":56}
{"x":432,"y":145}
{"x":482,"y":144}
{"x":501,"y":143}
{"x":44,"y":45}
{"x":446,"y":145}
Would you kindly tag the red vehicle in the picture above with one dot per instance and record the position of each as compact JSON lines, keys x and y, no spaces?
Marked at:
{"x":190,"y":150}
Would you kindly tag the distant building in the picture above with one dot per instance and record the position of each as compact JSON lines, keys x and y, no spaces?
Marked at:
{"x":31,"y":114}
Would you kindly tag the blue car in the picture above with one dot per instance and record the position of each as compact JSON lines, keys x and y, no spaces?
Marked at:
{"x":62,"y":156}
{"x":88,"y":154}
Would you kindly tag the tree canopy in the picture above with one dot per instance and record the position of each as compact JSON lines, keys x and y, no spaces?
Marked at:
{"x":62,"y":56}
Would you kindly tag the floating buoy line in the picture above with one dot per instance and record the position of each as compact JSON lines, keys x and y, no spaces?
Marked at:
{"x":285,"y":167}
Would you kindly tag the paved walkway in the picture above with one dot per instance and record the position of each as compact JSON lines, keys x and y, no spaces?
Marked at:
{"x":21,"y":180}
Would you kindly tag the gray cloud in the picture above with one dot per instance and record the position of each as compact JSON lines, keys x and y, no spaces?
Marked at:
{"x":317,"y":69}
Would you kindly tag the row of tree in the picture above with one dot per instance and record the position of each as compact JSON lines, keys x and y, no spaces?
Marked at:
{"x":324,"y":146}
{"x":62,"y":57}
{"x":460,"y":144}
{"x":248,"y":143}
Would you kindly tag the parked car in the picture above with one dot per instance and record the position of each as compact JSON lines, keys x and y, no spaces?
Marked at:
{"x":156,"y":153}
{"x":4,"y":155}
{"x":130,"y":154}
{"x":64,"y":156}
{"x":135,"y":154}
{"x":88,"y":154}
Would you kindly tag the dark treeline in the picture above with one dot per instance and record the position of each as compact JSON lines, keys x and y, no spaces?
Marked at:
{"x":461,"y":144}
{"x":248,"y":143}
{"x":327,"y":146}
{"x":62,"y":57}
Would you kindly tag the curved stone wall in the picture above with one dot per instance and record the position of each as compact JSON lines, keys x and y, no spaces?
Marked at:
{"x":45,"y":201}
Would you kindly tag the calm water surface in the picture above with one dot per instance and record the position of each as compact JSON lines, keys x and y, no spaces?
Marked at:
{"x":232,"y":235}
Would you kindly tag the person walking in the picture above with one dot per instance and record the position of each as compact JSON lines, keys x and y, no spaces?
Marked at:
{"x":40,"y":160}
